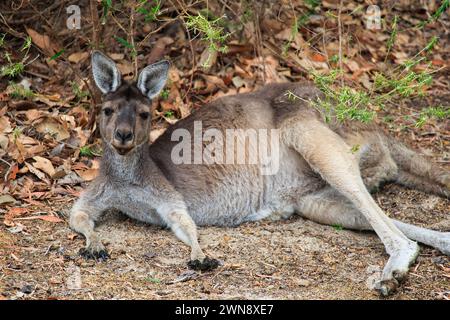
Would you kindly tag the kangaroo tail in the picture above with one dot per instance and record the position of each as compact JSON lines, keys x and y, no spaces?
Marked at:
{"x":416,"y":171}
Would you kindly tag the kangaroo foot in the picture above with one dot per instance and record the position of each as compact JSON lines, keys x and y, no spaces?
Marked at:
{"x":205,"y":265}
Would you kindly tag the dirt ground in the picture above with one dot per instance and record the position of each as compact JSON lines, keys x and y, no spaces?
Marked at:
{"x":292,"y":259}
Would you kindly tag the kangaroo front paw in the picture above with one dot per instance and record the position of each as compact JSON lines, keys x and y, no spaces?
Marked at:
{"x":101,"y":255}
{"x":205,"y":265}
{"x":94,"y":251}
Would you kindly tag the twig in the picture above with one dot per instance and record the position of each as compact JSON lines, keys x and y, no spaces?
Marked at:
{"x":340,"y":40}
{"x":134,"y":50}
{"x":259,"y":40}
{"x":94,"y":18}
{"x":194,"y":62}
{"x":139,"y":45}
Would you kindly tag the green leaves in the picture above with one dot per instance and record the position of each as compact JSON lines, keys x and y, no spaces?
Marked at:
{"x":107,"y":5}
{"x":150,"y":12}
{"x":12,"y":70}
{"x":86,"y":151}
{"x":126,"y":44}
{"x":123,"y":42}
{"x":56,"y":55}
{"x":438,"y":112}
{"x":393,"y":36}
{"x":211,"y":31}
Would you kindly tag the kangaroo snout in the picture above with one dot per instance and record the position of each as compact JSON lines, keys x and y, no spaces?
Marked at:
{"x":123,"y":140}
{"x":123,"y":136}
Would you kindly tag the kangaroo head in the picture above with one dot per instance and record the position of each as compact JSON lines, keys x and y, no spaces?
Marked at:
{"x":125,"y":116}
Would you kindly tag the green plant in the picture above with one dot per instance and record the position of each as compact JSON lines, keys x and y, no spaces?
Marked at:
{"x":392,"y":37}
{"x":355,"y":148}
{"x":27,"y":44}
{"x":2,"y":39}
{"x":341,"y":103}
{"x":438,"y":112}
{"x":19,"y":92}
{"x":126,"y":44}
{"x":107,"y":6}
{"x":57,"y":55}
{"x":212,"y":32}
{"x":435,"y":16}
{"x":12,"y":68}
{"x":150,"y":12}
{"x":337,"y":227}
{"x":169,"y":114}
{"x":79,"y":94}
{"x":334,"y":58}
{"x":86,"y":151}
{"x":165,"y":94}
{"x":153,"y":280}
{"x":16,"y":133}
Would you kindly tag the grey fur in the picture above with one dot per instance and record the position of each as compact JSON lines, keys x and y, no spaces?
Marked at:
{"x":153,"y":78}
{"x":319,"y":177}
{"x":106,"y":75}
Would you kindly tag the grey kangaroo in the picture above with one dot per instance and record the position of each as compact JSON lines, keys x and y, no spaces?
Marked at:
{"x":320,"y":176}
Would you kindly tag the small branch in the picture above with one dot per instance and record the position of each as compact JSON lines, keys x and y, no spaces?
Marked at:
{"x":340,"y":40}
{"x":94,"y":18}
{"x":134,"y":50}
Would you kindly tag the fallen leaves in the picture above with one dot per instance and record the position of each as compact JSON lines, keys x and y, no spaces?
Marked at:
{"x":44,"y":165}
{"x":77,"y":57}
{"x":6,"y":198}
{"x":43,"y":42}
{"x":54,"y":128}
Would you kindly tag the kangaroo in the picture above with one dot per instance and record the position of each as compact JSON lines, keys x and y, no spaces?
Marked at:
{"x":319,"y":177}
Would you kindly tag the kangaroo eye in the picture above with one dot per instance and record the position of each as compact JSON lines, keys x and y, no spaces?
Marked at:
{"x":144,"y":115}
{"x":108,"y":111}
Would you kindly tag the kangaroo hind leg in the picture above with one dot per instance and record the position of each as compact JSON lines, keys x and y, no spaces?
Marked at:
{"x":331,"y":157}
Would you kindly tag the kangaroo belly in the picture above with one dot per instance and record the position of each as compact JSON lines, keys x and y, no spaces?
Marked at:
{"x":239,"y":194}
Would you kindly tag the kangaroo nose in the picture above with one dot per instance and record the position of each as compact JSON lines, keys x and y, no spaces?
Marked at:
{"x":124,"y":135}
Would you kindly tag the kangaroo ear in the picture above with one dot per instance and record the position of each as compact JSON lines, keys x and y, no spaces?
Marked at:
{"x":106,"y":75}
{"x":153,"y":78}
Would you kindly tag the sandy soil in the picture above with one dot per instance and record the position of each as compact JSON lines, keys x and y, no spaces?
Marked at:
{"x":291,"y":259}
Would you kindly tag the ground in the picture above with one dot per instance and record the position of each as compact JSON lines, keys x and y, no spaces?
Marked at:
{"x":291,"y":259}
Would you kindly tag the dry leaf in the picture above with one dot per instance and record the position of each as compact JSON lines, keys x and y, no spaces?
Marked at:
{"x":33,"y":114}
{"x":52,"y":127}
{"x":125,"y":68}
{"x":6,"y":198}
{"x":51,"y":100}
{"x":317,"y":57}
{"x":352,"y":65}
{"x":15,"y":212}
{"x":45,"y":165}
{"x":37,"y":172}
{"x":49,"y":218}
{"x":4,"y":142}
{"x":5,"y":125}
{"x":116,"y":56}
{"x":87,"y":175}
{"x":43,"y":42}
{"x":78,"y":56}
{"x":70,"y":179}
